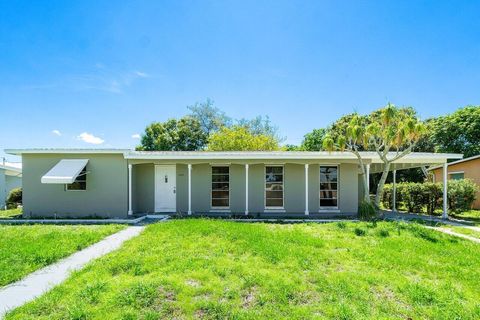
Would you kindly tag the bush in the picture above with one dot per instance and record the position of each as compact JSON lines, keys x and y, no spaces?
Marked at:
{"x":418,"y":196}
{"x":461,"y":194}
{"x":14,"y":198}
{"x":366,"y":210}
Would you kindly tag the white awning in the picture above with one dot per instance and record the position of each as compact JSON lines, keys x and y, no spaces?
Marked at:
{"x":65,"y":171}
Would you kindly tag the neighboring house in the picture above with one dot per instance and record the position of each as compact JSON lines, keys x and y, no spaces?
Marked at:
{"x":468,"y":168}
{"x":118,"y":183}
{"x":10,"y":178}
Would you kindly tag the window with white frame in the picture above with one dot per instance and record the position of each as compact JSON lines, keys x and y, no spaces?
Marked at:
{"x":274,"y":187}
{"x":220,"y":187}
{"x":80,"y":183}
{"x":328,"y":186}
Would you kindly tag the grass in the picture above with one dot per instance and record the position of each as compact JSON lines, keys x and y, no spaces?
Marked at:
{"x":24,"y":249}
{"x":10,"y":213}
{"x":214,"y":269}
{"x":472,"y":216}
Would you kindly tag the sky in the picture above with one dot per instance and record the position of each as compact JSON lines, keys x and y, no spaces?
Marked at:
{"x":83,"y":74}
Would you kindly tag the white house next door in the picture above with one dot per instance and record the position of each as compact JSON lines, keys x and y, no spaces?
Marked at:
{"x":165,"y":188}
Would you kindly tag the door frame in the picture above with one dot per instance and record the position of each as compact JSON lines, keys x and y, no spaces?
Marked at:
{"x":174,"y":166}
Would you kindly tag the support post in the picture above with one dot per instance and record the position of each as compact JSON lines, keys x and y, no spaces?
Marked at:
{"x":130,"y":212}
{"x":367,"y":172}
{"x":189,"y":189}
{"x":445,"y":191}
{"x":394,"y":205}
{"x":306,"y":190}
{"x":246,"y":189}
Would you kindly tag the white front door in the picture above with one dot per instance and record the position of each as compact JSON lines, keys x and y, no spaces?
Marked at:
{"x":165,"y":188}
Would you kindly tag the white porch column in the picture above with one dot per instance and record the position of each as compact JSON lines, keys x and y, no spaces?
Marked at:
{"x":306,"y":190}
{"x":394,"y":206}
{"x":367,"y":172}
{"x":445,"y":191}
{"x":130,"y":212}
{"x":246,"y":189}
{"x":189,"y":189}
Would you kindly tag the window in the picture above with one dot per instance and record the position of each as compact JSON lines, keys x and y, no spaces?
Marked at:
{"x":274,"y":187}
{"x":80,"y":182}
{"x":220,"y":187}
{"x":328,"y":186}
{"x":456,"y":175}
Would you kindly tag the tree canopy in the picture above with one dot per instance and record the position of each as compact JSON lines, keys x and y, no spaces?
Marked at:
{"x":458,"y":132}
{"x":389,"y":129}
{"x":184,"y":134}
{"x":313,"y":141}
{"x":240,"y":138}
{"x":211,"y":118}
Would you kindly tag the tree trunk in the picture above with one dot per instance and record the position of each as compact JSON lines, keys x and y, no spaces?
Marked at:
{"x":381,"y":184}
{"x":366,"y":196}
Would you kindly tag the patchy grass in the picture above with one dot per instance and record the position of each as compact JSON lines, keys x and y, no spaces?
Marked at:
{"x":472,"y":216}
{"x":10,"y":213}
{"x":24,"y":249}
{"x":224,"y":270}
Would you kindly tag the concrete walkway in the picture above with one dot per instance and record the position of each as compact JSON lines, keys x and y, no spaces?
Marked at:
{"x":41,"y":281}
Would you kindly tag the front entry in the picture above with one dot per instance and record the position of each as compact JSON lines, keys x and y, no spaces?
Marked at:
{"x":165,"y":188}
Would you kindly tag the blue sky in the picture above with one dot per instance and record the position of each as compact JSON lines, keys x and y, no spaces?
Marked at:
{"x":100,"y":71}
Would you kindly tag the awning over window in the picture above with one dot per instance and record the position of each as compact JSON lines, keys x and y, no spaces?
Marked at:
{"x":65,"y":171}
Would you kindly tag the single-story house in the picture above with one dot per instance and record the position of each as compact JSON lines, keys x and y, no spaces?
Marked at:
{"x":10,"y":178}
{"x":468,"y":168}
{"x":119,"y":183}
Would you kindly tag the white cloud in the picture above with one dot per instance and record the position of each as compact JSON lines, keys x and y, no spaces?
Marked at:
{"x":136,"y":136}
{"x":56,"y":132}
{"x":90,"y":138}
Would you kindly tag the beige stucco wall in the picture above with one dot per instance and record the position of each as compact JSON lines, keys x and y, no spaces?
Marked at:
{"x":106,"y":194}
{"x":471,"y":171}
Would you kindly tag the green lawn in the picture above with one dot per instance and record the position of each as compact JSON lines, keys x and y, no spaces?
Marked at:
{"x":225,"y":270}
{"x":24,"y":249}
{"x":10,"y":213}
{"x":472,"y":215}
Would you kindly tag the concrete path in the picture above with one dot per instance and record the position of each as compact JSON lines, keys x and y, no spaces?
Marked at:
{"x":456,"y":234}
{"x":41,"y":281}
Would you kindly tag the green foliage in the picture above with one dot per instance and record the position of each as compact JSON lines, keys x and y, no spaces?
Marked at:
{"x":366,"y":210}
{"x":14,"y":198}
{"x":24,"y":249}
{"x":458,"y":132}
{"x":261,"y":126}
{"x":238,"y":138}
{"x":414,"y":197}
{"x":461,"y":194}
{"x":313,"y":141}
{"x":211,"y":118}
{"x":184,"y":134}
{"x":225,"y":270}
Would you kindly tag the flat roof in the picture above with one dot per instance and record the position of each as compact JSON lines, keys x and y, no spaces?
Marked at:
{"x":369,"y":156}
{"x":458,"y":161}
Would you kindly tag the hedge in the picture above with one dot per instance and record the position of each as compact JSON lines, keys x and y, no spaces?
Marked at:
{"x":14,"y":198}
{"x":417,"y":196}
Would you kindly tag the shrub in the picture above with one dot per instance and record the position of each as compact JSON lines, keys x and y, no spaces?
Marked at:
{"x":14,"y":198}
{"x":461,"y":194}
{"x":360,"y":232}
{"x":366,"y":210}
{"x":418,"y":196}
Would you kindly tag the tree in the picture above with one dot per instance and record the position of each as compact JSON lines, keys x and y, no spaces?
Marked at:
{"x":184,"y":134}
{"x":313,"y":141}
{"x":211,"y":118}
{"x":387,"y":130}
{"x":261,"y":126}
{"x":239,"y":138}
{"x":458,"y":132}
{"x":350,"y":137}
